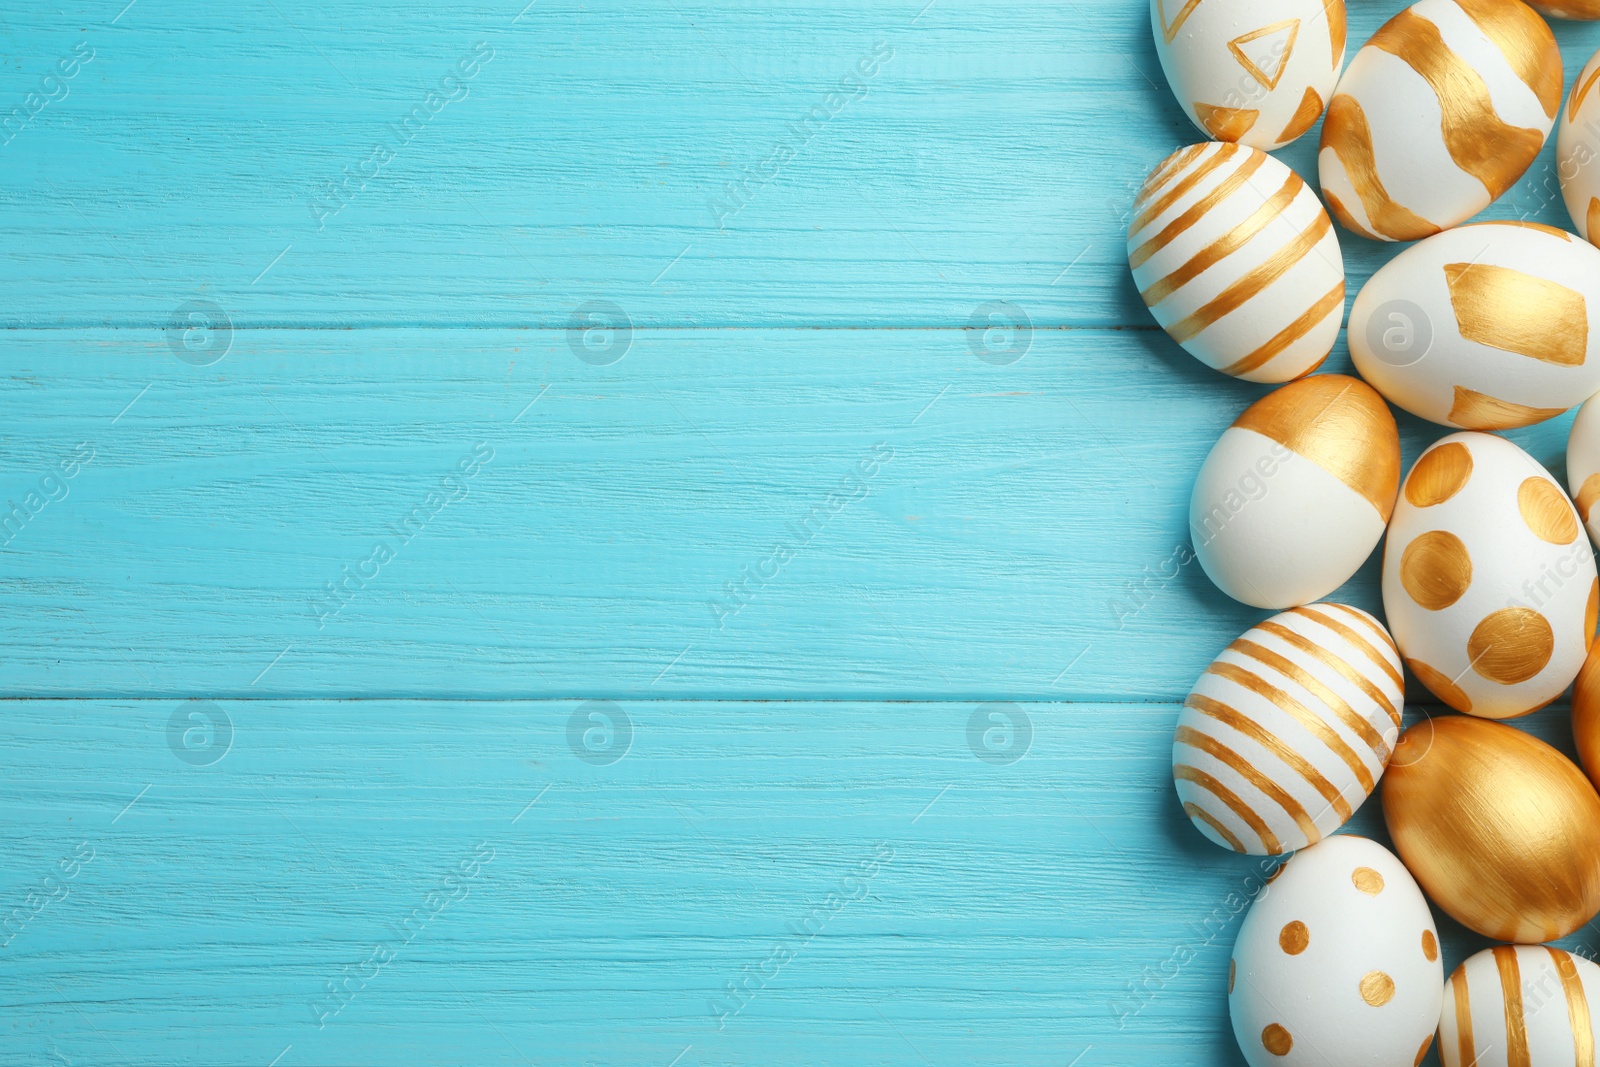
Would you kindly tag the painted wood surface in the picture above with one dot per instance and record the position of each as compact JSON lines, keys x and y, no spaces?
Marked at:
{"x":1009,"y":536}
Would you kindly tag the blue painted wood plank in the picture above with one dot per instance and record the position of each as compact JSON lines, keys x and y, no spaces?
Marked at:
{"x":987,"y":912}
{"x":896,"y":516}
{"x":998,"y":146}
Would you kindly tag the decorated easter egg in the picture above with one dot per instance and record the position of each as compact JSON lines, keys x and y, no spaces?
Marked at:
{"x":1257,"y":72}
{"x":1485,"y":327}
{"x":1586,"y":716}
{"x":1568,"y":9}
{"x":1437,"y":115}
{"x":1294,"y":495}
{"x":1287,"y":732}
{"x":1238,"y":262}
{"x":1337,"y":962}
{"x":1578,"y":149}
{"x":1583,"y":465}
{"x":1488,"y":582}
{"x":1520,"y":1006}
{"x":1501,"y":830}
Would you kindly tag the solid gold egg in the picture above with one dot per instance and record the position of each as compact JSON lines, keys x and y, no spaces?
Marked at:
{"x":1500,"y":829}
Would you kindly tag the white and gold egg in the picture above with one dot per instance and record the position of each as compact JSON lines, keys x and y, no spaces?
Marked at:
{"x":1289,"y":729}
{"x":1294,"y":495}
{"x":1578,"y":150}
{"x":1485,"y":327}
{"x":1489,"y":584}
{"x":1438,"y":115}
{"x":1520,"y":1006}
{"x":1583,"y":466}
{"x":1255,"y":72}
{"x":1337,"y":962}
{"x":1237,"y":260}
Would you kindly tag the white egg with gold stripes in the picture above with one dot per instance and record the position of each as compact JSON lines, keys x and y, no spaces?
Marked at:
{"x":1578,"y":150}
{"x":1255,"y":72}
{"x":1337,"y":963}
{"x":1520,"y":1006}
{"x":1236,"y":259}
{"x":1290,"y":728}
{"x":1294,"y":496}
{"x":1438,"y":115}
{"x":1489,"y":584}
{"x":1486,"y":327}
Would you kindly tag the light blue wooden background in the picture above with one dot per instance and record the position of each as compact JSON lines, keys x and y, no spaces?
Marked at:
{"x":1054,"y":910}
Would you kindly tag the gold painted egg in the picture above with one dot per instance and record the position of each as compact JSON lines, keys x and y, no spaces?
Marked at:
{"x":1293,"y":497}
{"x":1586,"y":715}
{"x":1578,"y":149}
{"x":1257,"y":72}
{"x":1520,"y":1006}
{"x":1236,"y":259}
{"x":1337,"y":962}
{"x":1489,"y":584}
{"x":1567,"y":9}
{"x":1501,"y":830}
{"x":1437,"y":115}
{"x":1288,"y":730}
{"x":1485,"y":327}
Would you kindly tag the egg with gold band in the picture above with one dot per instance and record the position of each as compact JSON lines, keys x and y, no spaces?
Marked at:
{"x":1486,"y":327}
{"x":1255,"y":72}
{"x":1286,"y":733}
{"x":1578,"y":150}
{"x":1520,"y":1006}
{"x":1583,"y":466}
{"x":1501,"y":830}
{"x":1489,"y":585}
{"x":1438,"y":115}
{"x":1237,"y":260}
{"x":1337,"y":962}
{"x":1294,"y":495}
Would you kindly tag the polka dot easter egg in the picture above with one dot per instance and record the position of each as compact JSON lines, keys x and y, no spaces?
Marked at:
{"x":1337,"y":963}
{"x":1256,"y":72}
{"x":1236,"y":259}
{"x":1520,"y":1006}
{"x":1287,"y":732}
{"x":1437,"y":115}
{"x":1486,"y":327}
{"x":1489,"y":584}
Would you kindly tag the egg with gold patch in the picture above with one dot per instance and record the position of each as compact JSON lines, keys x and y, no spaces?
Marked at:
{"x":1286,"y":733}
{"x":1294,"y":495}
{"x":1520,"y":1006}
{"x":1587,"y":10}
{"x":1438,"y":115}
{"x":1489,"y":585}
{"x":1254,"y":72}
{"x":1486,"y":327}
{"x":1237,"y":260}
{"x":1583,"y":466}
{"x":1500,"y":829}
{"x":1578,"y":149}
{"x":1337,"y":962}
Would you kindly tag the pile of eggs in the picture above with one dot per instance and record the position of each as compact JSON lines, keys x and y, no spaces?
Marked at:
{"x":1489,"y":583}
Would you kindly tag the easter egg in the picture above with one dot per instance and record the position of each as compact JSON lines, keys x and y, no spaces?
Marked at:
{"x":1583,"y":465}
{"x":1586,"y":716}
{"x":1489,"y":585}
{"x":1288,"y":730}
{"x":1501,"y":830}
{"x":1236,"y":259}
{"x":1437,"y":115}
{"x":1294,"y":495}
{"x":1337,"y":962}
{"x":1567,"y":9}
{"x":1485,"y":327}
{"x":1520,"y":1006}
{"x":1255,"y":72}
{"x":1578,"y":149}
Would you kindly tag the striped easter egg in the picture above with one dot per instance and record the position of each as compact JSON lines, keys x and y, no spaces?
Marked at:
{"x":1437,"y":115}
{"x":1520,"y":1006}
{"x":1289,"y":730}
{"x":1236,"y":259}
